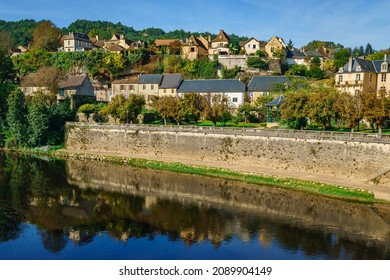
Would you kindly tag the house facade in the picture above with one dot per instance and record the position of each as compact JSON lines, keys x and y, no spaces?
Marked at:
{"x":195,"y":47}
{"x":363,"y":75}
{"x":234,"y":90}
{"x":169,"y":85}
{"x":76,"y":42}
{"x":125,"y":87}
{"x":252,"y":45}
{"x":149,"y":85}
{"x":263,"y":85}
{"x":220,"y":44}
{"x":302,"y":57}
{"x":274,"y":44}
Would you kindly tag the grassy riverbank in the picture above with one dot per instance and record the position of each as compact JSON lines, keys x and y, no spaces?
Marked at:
{"x":329,"y":190}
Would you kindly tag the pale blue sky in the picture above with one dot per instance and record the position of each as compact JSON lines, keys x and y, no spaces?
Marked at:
{"x":350,"y":23}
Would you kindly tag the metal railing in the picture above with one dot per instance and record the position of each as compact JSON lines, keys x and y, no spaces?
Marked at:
{"x":263,"y":132}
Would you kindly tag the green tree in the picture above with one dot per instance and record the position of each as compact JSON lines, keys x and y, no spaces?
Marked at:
{"x":6,"y":67}
{"x":38,"y":119}
{"x":322,"y":106}
{"x":5,"y":41}
{"x":245,"y":110}
{"x":114,"y":108}
{"x":46,"y":36}
{"x":341,"y":58}
{"x":368,"y":49}
{"x":257,"y":62}
{"x":230,"y":73}
{"x":193,"y":106}
{"x":133,"y":107}
{"x":87,"y":109}
{"x":297,"y":70}
{"x":315,"y":72}
{"x":290,"y":44}
{"x":16,"y":119}
{"x":295,"y":109}
{"x":215,"y":105}
{"x":350,"y":107}
{"x":375,"y":108}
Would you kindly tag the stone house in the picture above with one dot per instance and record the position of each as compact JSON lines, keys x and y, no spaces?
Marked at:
{"x":195,"y":47}
{"x":125,"y":87}
{"x":264,"y":85}
{"x":274,"y":44}
{"x":76,"y":42}
{"x":220,"y":44}
{"x":363,"y":75}
{"x":302,"y":57}
{"x":233,"y":89}
{"x":148,"y":85}
{"x":169,"y":85}
{"x":73,"y":87}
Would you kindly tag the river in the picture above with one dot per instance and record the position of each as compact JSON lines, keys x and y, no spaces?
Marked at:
{"x":69,"y":209}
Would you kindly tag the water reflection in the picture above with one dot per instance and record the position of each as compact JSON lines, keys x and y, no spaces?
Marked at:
{"x":73,"y":203}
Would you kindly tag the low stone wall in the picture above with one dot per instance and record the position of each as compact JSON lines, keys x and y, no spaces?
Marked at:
{"x":337,"y":156}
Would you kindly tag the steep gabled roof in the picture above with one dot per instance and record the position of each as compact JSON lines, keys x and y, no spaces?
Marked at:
{"x":77,"y":36}
{"x":277,"y":101}
{"x":150,"y":79}
{"x":193,"y":41}
{"x":221,"y":37}
{"x":72,"y":81}
{"x":171,"y":81}
{"x":188,"y":86}
{"x":266,"y":83}
{"x":365,"y":65}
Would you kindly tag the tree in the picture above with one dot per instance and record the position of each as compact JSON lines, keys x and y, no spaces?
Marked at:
{"x":297,"y":70}
{"x":290,"y":44}
{"x":322,"y":106}
{"x":341,"y":58}
{"x":87,"y":109}
{"x":46,"y":36}
{"x":7,"y":72}
{"x":295,"y":109}
{"x":193,"y":106}
{"x":114,"y":108}
{"x":375,"y":107}
{"x":215,"y":106}
{"x":230,"y":73}
{"x":260,"y":105}
{"x":38,"y":119}
{"x":133,"y":107}
{"x":5,"y":41}
{"x":350,"y":107}
{"x":170,"y":106}
{"x":49,"y":77}
{"x":245,"y":110}
{"x":315,"y":72}
{"x":16,"y":119}
{"x":368,"y":49}
{"x":257,"y":62}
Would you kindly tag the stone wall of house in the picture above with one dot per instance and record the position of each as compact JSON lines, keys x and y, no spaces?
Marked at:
{"x":315,"y":155}
{"x":230,"y":61}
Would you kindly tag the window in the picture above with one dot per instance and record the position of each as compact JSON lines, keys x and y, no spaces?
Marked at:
{"x":272,"y":49}
{"x":152,"y":87}
{"x":192,"y":49}
{"x":340,"y":78}
{"x":384,"y":67}
{"x":62,"y":93}
{"x":144,"y":87}
{"x":172,"y":90}
{"x":68,"y":42}
{"x":132,"y":87}
{"x":121,"y":87}
{"x":235,"y":99}
{"x":165,"y":90}
{"x":383,"y":78}
{"x":254,"y":46}
{"x":357,"y":77}
{"x":370,"y":77}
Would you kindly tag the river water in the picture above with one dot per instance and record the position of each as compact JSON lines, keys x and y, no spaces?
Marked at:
{"x":56,"y":209}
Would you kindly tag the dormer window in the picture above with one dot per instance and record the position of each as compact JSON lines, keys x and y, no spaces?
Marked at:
{"x":358,"y":68}
{"x":384,"y":67}
{"x":341,"y":70}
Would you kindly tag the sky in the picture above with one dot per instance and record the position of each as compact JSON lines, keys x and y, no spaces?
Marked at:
{"x":351,"y":23}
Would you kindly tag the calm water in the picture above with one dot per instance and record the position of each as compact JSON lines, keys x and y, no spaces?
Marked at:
{"x":53,"y":209}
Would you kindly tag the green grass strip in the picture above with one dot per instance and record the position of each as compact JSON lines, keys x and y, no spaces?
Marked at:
{"x":329,"y":190}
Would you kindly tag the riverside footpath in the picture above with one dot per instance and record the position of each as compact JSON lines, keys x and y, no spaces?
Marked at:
{"x":354,"y":160}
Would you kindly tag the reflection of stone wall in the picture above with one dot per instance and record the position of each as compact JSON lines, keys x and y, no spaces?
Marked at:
{"x":337,"y":158}
{"x":357,"y":221}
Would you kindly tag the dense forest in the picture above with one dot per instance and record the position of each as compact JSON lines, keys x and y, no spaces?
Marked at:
{"x":21,"y":31}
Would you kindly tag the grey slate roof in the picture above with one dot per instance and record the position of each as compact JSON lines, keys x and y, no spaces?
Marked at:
{"x":171,"y":81}
{"x":266,"y":83}
{"x":366,"y":65}
{"x":188,"y":86}
{"x":277,"y":101}
{"x":295,"y":54}
{"x":313,"y":54}
{"x":72,"y":81}
{"x":150,"y":79}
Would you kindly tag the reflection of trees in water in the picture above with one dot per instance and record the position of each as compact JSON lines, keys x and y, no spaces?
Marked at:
{"x":39,"y":191}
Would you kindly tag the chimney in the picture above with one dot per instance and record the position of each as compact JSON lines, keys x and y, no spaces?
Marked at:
{"x":385,"y":59}
{"x":97,"y":37}
{"x":350,"y":64}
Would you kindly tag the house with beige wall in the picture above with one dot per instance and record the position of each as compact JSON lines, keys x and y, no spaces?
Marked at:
{"x":360,"y":75}
{"x":125,"y":87}
{"x":220,"y":44}
{"x":274,"y":44}
{"x":76,"y":42}
{"x":148,"y":85}
{"x":169,"y":85}
{"x":251,"y":46}
{"x":195,"y":47}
